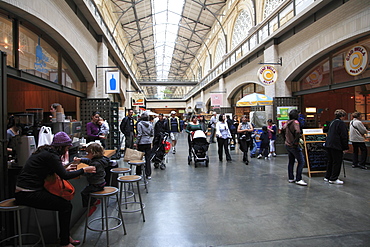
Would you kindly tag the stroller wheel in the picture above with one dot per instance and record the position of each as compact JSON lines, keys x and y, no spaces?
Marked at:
{"x":189,"y":160}
{"x":207,"y":161}
{"x":156,"y":165}
{"x":163,"y":166}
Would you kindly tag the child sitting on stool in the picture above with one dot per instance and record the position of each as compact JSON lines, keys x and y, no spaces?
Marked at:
{"x":95,"y":157}
{"x":264,"y":148}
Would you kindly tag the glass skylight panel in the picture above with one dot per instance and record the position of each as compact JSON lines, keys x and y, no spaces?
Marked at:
{"x":167,"y":15}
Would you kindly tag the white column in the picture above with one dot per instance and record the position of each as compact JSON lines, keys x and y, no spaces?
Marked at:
{"x":271,"y":55}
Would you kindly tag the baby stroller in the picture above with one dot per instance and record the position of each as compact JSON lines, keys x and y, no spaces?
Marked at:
{"x":160,"y":149}
{"x":199,"y":148}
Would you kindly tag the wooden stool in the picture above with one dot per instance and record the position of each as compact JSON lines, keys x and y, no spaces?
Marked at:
{"x":123,"y":171}
{"x":142,"y":164}
{"x":132,"y":179}
{"x":10,"y":206}
{"x":104,"y":195}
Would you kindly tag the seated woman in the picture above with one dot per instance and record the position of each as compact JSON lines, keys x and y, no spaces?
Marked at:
{"x":30,"y":190}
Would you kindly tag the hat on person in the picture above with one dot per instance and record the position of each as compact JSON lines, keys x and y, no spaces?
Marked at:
{"x":61,"y":139}
{"x":173,"y":112}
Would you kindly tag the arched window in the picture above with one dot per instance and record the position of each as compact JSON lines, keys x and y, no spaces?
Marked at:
{"x":270,"y":6}
{"x":200,"y":73}
{"x":242,"y":25}
{"x":220,"y":50}
{"x":206,"y":66}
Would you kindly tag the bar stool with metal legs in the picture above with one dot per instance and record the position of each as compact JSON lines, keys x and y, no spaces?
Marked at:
{"x":10,"y":206}
{"x":130,"y":180}
{"x":140,"y":163}
{"x":104,"y":196}
{"x":122,"y":170}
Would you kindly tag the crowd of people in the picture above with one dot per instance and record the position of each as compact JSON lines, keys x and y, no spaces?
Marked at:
{"x":146,"y":134}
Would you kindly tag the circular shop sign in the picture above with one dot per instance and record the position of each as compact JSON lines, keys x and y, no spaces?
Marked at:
{"x":267,"y":75}
{"x":356,"y":60}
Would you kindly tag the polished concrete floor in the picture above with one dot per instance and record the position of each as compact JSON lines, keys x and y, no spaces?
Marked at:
{"x":232,"y":204}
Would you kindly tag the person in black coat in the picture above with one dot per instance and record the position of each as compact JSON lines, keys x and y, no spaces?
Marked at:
{"x":336,"y":144}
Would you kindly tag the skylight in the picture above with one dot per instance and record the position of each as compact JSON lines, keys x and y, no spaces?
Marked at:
{"x":167,"y":15}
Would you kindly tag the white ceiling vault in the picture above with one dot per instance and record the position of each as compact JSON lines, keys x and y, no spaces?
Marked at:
{"x":165,"y":36}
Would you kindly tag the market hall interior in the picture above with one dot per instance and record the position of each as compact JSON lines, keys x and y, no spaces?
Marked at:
{"x":233,"y":204}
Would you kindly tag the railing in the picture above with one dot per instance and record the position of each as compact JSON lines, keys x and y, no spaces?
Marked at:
{"x":264,"y":30}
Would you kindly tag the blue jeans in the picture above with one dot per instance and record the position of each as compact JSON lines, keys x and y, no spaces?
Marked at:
{"x":295,"y":153}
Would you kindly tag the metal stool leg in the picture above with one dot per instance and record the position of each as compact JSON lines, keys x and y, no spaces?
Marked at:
{"x":121,"y":216}
{"x":105,"y":216}
{"x":87,"y":219}
{"x":141,"y":202}
{"x":19,"y":228}
{"x":38,"y":225}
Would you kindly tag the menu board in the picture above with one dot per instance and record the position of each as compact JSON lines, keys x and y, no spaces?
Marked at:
{"x":315,"y":152}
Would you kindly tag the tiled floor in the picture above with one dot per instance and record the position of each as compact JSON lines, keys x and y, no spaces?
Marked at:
{"x":232,"y":204}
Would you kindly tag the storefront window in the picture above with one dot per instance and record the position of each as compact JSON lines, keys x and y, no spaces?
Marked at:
{"x":362,"y":100}
{"x":36,"y":56}
{"x":69,"y":78}
{"x":317,"y":77}
{"x":6,"y":39}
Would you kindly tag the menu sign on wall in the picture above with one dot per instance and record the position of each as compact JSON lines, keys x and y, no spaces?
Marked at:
{"x":356,"y":60}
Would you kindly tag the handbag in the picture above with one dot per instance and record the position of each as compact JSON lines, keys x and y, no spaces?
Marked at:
{"x":45,"y":136}
{"x":245,"y":137}
{"x":133,"y":154}
{"x":59,"y":187}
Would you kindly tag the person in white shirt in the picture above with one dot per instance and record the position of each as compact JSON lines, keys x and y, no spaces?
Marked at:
{"x":357,"y":130}
{"x":223,"y":135}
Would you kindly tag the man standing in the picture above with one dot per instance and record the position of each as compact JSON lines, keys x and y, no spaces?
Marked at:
{"x":213,"y":122}
{"x":127,"y":128}
{"x":174,"y":124}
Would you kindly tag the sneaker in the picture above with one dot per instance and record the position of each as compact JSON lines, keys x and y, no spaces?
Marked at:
{"x":301,"y":182}
{"x":326,"y":180}
{"x":291,"y":180}
{"x":355,"y":166}
{"x":91,"y":211}
{"x":270,"y":155}
{"x":174,"y":150}
{"x":339,"y":182}
{"x":266,"y":158}
{"x":274,"y":154}
{"x":259,"y":156}
{"x":148,"y":177}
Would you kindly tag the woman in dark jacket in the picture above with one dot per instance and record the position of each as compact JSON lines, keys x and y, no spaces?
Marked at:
{"x":30,"y":189}
{"x":336,"y":144}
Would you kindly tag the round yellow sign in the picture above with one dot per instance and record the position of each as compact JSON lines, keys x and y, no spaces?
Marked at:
{"x":356,"y":60}
{"x":267,"y":75}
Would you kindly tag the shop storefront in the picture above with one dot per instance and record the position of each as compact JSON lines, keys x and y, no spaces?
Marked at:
{"x":340,"y":80}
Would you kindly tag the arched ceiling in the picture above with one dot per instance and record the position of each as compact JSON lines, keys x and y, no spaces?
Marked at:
{"x":138,"y":20}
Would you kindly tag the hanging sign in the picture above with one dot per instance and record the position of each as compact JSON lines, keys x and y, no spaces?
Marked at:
{"x":112,"y":79}
{"x":356,"y":60}
{"x":138,"y":99}
{"x":267,"y":75}
{"x":216,"y":99}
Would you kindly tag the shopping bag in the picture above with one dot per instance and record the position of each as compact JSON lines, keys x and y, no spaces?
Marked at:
{"x":45,"y":136}
{"x":133,"y":154}
{"x":59,"y":187}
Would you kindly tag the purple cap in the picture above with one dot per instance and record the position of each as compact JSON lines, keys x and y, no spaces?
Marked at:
{"x":61,"y":139}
